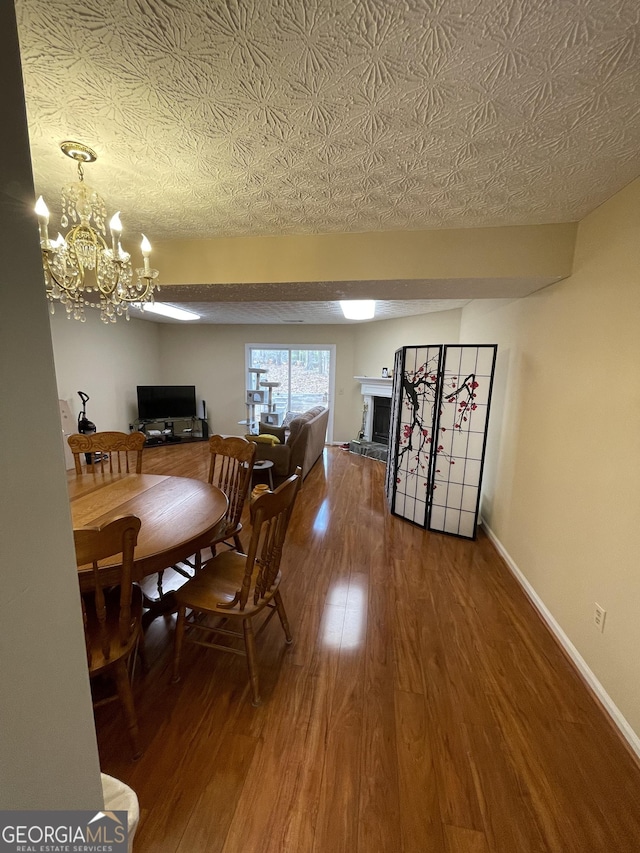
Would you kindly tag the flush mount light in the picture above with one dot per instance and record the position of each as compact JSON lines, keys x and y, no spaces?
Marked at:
{"x":358,"y":309}
{"x":167,"y":311}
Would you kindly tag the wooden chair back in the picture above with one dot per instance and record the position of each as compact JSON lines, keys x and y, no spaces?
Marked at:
{"x":230,"y":469}
{"x":270,"y":514}
{"x":114,"y":449}
{"x":94,"y":544}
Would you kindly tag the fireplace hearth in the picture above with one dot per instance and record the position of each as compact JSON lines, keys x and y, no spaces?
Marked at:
{"x":372,"y":449}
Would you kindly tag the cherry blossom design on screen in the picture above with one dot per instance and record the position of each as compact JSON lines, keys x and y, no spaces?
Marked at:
{"x":419,"y":396}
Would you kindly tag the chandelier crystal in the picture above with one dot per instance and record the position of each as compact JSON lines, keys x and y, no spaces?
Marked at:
{"x":80,"y":269}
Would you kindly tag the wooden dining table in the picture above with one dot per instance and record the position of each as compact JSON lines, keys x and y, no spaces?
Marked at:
{"x":179,"y":516}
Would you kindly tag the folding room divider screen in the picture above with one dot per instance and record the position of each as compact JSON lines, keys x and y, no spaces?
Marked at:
{"x":439,"y":418}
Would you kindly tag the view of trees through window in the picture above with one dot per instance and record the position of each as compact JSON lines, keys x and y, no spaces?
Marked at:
{"x":303,"y":375}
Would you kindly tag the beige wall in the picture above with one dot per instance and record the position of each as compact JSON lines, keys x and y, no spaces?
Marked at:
{"x":213,"y":358}
{"x":106,"y":362}
{"x":562,"y":491}
{"x":376,"y":343}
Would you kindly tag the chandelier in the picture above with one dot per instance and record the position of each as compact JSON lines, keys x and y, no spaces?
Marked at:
{"x":80,"y":269}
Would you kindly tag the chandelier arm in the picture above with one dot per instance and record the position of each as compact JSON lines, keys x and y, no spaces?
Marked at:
{"x":70,"y":285}
{"x":149,"y":277}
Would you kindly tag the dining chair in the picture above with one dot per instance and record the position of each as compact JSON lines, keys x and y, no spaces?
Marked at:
{"x":230,"y":469}
{"x":108,"y":451}
{"x":231,"y":462}
{"x":234,"y":587}
{"x":112,"y":616}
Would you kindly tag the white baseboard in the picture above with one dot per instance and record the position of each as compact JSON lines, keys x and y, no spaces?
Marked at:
{"x":579,"y":662}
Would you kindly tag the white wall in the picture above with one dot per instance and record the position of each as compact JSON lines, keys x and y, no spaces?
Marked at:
{"x":106,"y":361}
{"x":48,"y":753}
{"x":562,"y":491}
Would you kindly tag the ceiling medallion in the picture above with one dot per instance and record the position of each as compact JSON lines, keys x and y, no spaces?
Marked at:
{"x":80,"y":269}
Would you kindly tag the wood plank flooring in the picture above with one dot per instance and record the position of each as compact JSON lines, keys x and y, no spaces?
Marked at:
{"x":423,"y":706}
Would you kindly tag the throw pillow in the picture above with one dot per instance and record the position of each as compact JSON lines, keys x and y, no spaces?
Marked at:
{"x":289,"y":417}
{"x":279,"y":432}
{"x":265,"y":438}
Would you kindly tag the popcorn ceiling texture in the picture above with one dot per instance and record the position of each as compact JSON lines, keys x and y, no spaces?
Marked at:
{"x":312,"y":312}
{"x":309,"y":116}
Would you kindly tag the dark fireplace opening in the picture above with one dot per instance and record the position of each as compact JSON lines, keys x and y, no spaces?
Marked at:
{"x":381,"y":419}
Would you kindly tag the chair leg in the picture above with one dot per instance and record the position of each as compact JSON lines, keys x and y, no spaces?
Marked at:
{"x":138,"y":652}
{"x":126,"y":698}
{"x":159,"y":584}
{"x":252,"y":665}
{"x":142,"y":653}
{"x":237,"y":543}
{"x":177,"y":647}
{"x":282,"y":613}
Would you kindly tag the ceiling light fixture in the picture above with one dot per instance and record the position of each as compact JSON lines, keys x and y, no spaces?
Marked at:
{"x":111,"y":287}
{"x":358,"y":309}
{"x":167,"y":311}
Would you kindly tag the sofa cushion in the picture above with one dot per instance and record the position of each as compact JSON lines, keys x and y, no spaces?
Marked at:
{"x":295,"y":427}
{"x":298,"y":422}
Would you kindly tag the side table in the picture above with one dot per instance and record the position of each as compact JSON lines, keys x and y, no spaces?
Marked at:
{"x":262,"y":466}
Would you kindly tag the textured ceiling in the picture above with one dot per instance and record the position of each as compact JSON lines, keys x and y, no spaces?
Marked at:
{"x":296,"y":313}
{"x":318,"y":301}
{"x":312,"y":116}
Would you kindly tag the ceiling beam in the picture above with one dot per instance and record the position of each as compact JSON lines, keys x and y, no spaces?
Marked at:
{"x":511,"y":252}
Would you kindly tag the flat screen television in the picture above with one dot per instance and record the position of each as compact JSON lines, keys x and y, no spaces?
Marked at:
{"x":164,"y":402}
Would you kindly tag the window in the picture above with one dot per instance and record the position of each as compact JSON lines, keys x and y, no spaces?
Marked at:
{"x":305,"y":373}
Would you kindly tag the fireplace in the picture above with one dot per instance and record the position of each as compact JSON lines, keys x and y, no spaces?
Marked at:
{"x":375,"y":390}
{"x":381,"y":419}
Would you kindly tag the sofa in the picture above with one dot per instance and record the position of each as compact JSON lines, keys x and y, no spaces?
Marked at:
{"x":302,"y":444}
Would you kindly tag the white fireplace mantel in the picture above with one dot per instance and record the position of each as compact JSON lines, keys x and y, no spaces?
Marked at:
{"x":375,"y":386}
{"x":372,"y":386}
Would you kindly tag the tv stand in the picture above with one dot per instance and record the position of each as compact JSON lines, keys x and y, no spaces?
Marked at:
{"x":172,"y":430}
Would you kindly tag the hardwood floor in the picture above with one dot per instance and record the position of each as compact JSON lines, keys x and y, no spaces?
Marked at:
{"x":423,"y":706}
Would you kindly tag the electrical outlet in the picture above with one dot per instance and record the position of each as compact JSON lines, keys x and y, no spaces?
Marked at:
{"x":599,"y":615}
